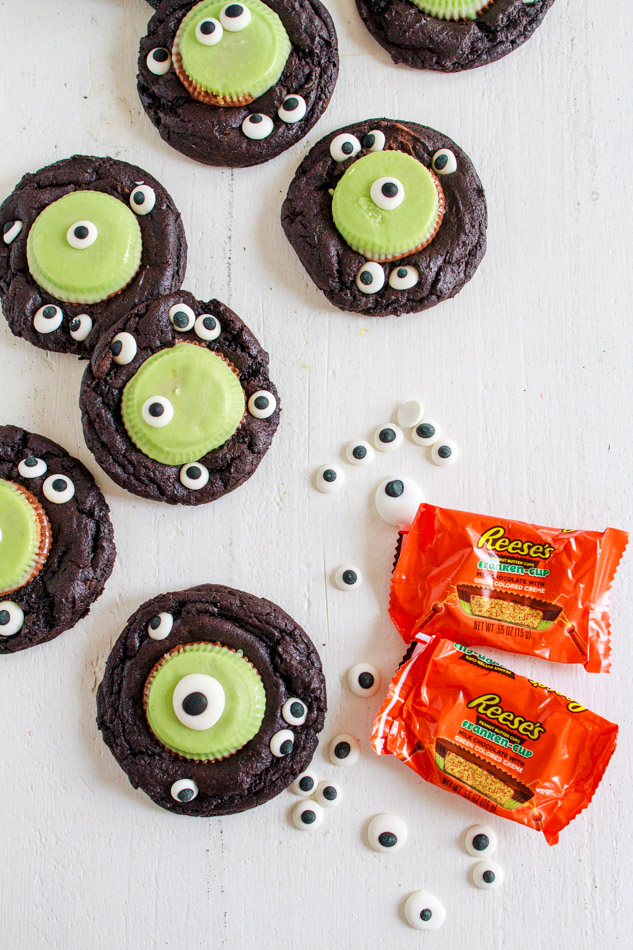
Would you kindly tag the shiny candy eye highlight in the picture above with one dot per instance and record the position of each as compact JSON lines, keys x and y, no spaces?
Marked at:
{"x":282,"y":743}
{"x":182,"y":317}
{"x":157,"y":412}
{"x":359,"y":452}
{"x":158,"y":61}
{"x":304,"y":784}
{"x":344,"y":749}
{"x":11,"y":618}
{"x":387,"y":193}
{"x":235,"y":17}
{"x":387,"y":833}
{"x":292,"y":109}
{"x":58,"y":489}
{"x":82,"y":234}
{"x":32,"y":467}
{"x":142,"y":200}
{"x":80,"y":327}
{"x":184,"y":790}
{"x":426,"y":432}
{"x":328,"y":794}
{"x":198,"y":701}
{"x":294,"y":712}
{"x":262,"y":404}
{"x":404,"y":277}
{"x":444,"y":162}
{"x":328,"y":479}
{"x":257,"y":126}
{"x":307,"y":815}
{"x":374,"y":141}
{"x":388,"y":437}
{"x":344,"y":146}
{"x":423,"y":911}
{"x":480,"y":840}
{"x":209,"y":31}
{"x":397,"y":500}
{"x":348,"y":577}
{"x":48,"y":318}
{"x":488,"y":875}
{"x":160,"y":626}
{"x":370,"y":278}
{"x":194,"y":476}
{"x":363,"y":679}
{"x":444,"y":452}
{"x":123,"y":348}
{"x":207,"y":327}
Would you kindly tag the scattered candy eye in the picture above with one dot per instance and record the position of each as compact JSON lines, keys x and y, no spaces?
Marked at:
{"x":10,"y":230}
{"x":387,"y":193}
{"x":235,"y":17}
{"x":32,"y":467}
{"x":142,"y":200}
{"x":182,"y":317}
{"x":423,"y":911}
{"x":344,"y":750}
{"x":257,"y":126}
{"x":194,"y":475}
{"x":58,"y":488}
{"x":370,"y":278}
{"x":328,"y":794}
{"x":480,"y":840}
{"x":410,"y":413}
{"x":82,"y":234}
{"x":348,"y":577}
{"x":158,"y":61}
{"x":294,"y":712}
{"x":444,"y":452}
{"x":388,"y":437}
{"x":262,"y":404}
{"x":209,"y":31}
{"x":207,"y":327}
{"x":363,"y":679}
{"x":282,"y":743}
{"x":444,"y":162}
{"x":397,"y":500}
{"x":48,"y":318}
{"x":304,"y":784}
{"x":404,"y":277}
{"x":157,"y":412}
{"x":80,"y":327}
{"x":344,"y":146}
{"x":160,"y":626}
{"x":11,"y":618}
{"x":387,"y":833}
{"x":123,"y":348}
{"x":292,"y":109}
{"x":488,"y":875}
{"x":374,"y":141}
{"x":184,"y":790}
{"x":359,"y":453}
{"x":426,"y":432}
{"x":328,"y":479}
{"x":198,"y":701}
{"x":307,"y":815}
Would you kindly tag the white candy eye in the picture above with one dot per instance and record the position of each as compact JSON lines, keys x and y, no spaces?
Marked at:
{"x":32,"y":467}
{"x":235,"y":17}
{"x":292,"y":109}
{"x":480,"y":840}
{"x":82,"y":234}
{"x":307,"y":815}
{"x":282,"y":743}
{"x":209,"y":31}
{"x":194,"y":475}
{"x":444,"y":162}
{"x":262,"y":404}
{"x":158,"y":61}
{"x":445,"y":452}
{"x":48,"y":318}
{"x":387,"y":833}
{"x":397,"y":500}
{"x":374,"y":141}
{"x":402,"y":278}
{"x":328,"y":794}
{"x":387,"y":193}
{"x":257,"y":126}
{"x":410,"y":413}
{"x":10,"y":231}
{"x":488,"y":875}
{"x":304,"y":784}
{"x":182,"y":317}
{"x":388,"y":437}
{"x":184,"y":790}
{"x":207,"y":327}
{"x":363,"y":679}
{"x":359,"y":452}
{"x":123,"y":348}
{"x":426,"y":432}
{"x":80,"y":327}
{"x":422,"y":911}
{"x":348,"y":577}
{"x":344,"y":146}
{"x":344,"y":750}
{"x":142,"y":200}
{"x":328,"y":479}
{"x":294,"y":712}
{"x":157,"y":412}
{"x":11,"y":618}
{"x":198,"y":701}
{"x":58,"y":488}
{"x":160,"y":626}
{"x":370,"y":278}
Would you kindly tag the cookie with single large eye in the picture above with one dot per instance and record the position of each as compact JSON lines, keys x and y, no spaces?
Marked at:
{"x":97,"y":237}
{"x":199,"y":719}
{"x":56,"y":541}
{"x":244,"y":80}
{"x":378,"y":221}
{"x":168,"y":411}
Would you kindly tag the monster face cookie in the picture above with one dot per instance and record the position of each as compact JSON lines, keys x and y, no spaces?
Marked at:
{"x":56,"y":543}
{"x":237,"y":83}
{"x":177,"y":404}
{"x":85,"y":241}
{"x":387,"y":217}
{"x":451,"y":35}
{"x":212,"y":700}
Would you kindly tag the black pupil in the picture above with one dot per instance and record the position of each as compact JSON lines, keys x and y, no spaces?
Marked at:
{"x":5,"y":616}
{"x":441,"y":161}
{"x":291,"y":103}
{"x":329,"y":475}
{"x":350,"y":577}
{"x":342,"y":750}
{"x":286,"y":747}
{"x":347,"y":148}
{"x":195,"y":704}
{"x":369,"y":140}
{"x":306,"y":784}
{"x":444,"y":451}
{"x":30,"y":461}
{"x":59,"y":484}
{"x":366,"y":278}
{"x":366,"y":680}
{"x":480,"y":842}
{"x":181,"y":319}
{"x":156,"y":409}
{"x":387,"y":435}
{"x":256,"y":118}
{"x":160,"y":55}
{"x":234,"y":10}
{"x":81,"y":232}
{"x":185,"y":795}
{"x":395,"y":488}
{"x":49,"y":312}
{"x":389,"y":189}
{"x":296,"y":710}
{"x":261,"y":402}
{"x":402,"y":272}
{"x":207,"y":27}
{"x":489,"y":876}
{"x":209,"y":323}
{"x":116,"y":347}
{"x":329,"y":792}
{"x":75,"y":323}
{"x":359,"y":452}
{"x":307,"y":817}
{"x":425,"y":430}
{"x":138,"y":197}
{"x":6,"y":227}
{"x":193,"y":471}
{"x":425,"y":914}
{"x":155,"y":623}
{"x":387,"y":839}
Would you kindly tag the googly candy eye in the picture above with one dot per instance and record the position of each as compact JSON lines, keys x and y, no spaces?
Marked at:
{"x":80,"y":327}
{"x":397,"y":500}
{"x":194,"y":476}
{"x":207,"y":327}
{"x":444,"y":162}
{"x":58,"y":488}
{"x":363,"y":679}
{"x":142,"y":200}
{"x":388,"y":437}
{"x":184,"y":790}
{"x":181,"y":317}
{"x":328,"y":794}
{"x":82,"y":234}
{"x":209,"y":31}
{"x":304,"y":784}
{"x":294,"y":712}
{"x":262,"y":404}
{"x":410,"y":413}
{"x":359,"y":452}
{"x":198,"y":701}
{"x":307,"y":815}
{"x":328,"y":479}
{"x":235,"y":17}
{"x":423,"y":911}
{"x":488,"y":875}
{"x":344,"y":146}
{"x":160,"y":626}
{"x":32,"y":467}
{"x":480,"y":840}
{"x":48,"y":318}
{"x":387,"y":833}
{"x":444,"y":452}
{"x":370,"y":278}
{"x":292,"y":109}
{"x":11,"y":618}
{"x":344,"y":750}
{"x":348,"y":577}
{"x":158,"y":61}
{"x":374,"y":141}
{"x":404,"y":277}
{"x":427,"y":432}
{"x":10,"y":230}
{"x":257,"y":126}
{"x":123,"y":348}
{"x":387,"y":193}
{"x":282,"y":743}
{"x":157,"y":412}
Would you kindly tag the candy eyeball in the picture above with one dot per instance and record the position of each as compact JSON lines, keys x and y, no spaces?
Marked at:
{"x":82,"y":234}
{"x":207,"y":327}
{"x":410,"y":413}
{"x":123,"y":348}
{"x":348,"y":577}
{"x":444,"y":162}
{"x":80,"y":327}
{"x":363,"y":679}
{"x":387,"y":193}
{"x":262,"y":404}
{"x":374,"y":141}
{"x":209,"y":31}
{"x":235,"y":17}
{"x":307,"y":815}
{"x":370,"y":278}
{"x":184,"y":790}
{"x":328,"y":794}
{"x":423,"y":911}
{"x":257,"y":126}
{"x":480,"y":840}
{"x":194,"y":475}
{"x":160,"y":626}
{"x":157,"y":412}
{"x":48,"y":318}
{"x":181,"y":317}
{"x":488,"y":875}
{"x":11,"y":618}
{"x":328,"y":479}
{"x":282,"y":743}
{"x":158,"y":61}
{"x":444,"y":452}
{"x":387,"y":833}
{"x":292,"y":109}
{"x":58,"y":489}
{"x":359,"y":452}
{"x":404,"y":277}
{"x":142,"y":200}
{"x":294,"y":712}
{"x":344,"y":146}
{"x":304,"y":784}
{"x":344,"y":750}
{"x":427,"y":432}
{"x":32,"y":467}
{"x":388,"y":437}
{"x":397,"y":500}
{"x":198,"y":701}
{"x":10,"y":231}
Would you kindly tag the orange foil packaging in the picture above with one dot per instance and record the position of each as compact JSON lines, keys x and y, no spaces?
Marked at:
{"x":515,"y":586}
{"x":509,"y":744}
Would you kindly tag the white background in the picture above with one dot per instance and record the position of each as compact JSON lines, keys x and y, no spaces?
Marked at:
{"x":529,"y":369}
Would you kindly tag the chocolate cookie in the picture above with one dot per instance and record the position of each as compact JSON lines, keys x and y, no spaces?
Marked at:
{"x":56,"y":542}
{"x":84,"y":242}
{"x":236,"y":84}
{"x":212,"y":700}
{"x":177,"y":404}
{"x":451,"y":35}
{"x":387,"y":217}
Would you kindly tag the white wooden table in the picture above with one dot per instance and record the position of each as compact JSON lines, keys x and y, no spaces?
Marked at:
{"x":529,"y":368}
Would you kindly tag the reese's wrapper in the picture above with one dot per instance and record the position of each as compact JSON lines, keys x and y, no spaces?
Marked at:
{"x":515,"y":586}
{"x":509,"y":744}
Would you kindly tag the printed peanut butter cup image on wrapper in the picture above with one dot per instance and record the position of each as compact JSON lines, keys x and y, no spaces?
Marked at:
{"x":56,"y":541}
{"x":236,"y":84}
{"x":511,"y":745}
{"x":84,"y":241}
{"x":451,"y":35}
{"x":507,"y":584}
{"x":387,"y":217}
{"x":212,"y":700}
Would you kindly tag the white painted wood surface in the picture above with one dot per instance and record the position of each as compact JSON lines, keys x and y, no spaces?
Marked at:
{"x":529,"y":368}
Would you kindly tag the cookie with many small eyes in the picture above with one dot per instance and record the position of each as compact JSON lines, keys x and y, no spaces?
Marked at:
{"x":212,"y":700}
{"x":387,"y":217}
{"x":237,"y":83}
{"x":177,"y":404}
{"x":451,"y":35}
{"x":56,"y":541}
{"x":84,"y":241}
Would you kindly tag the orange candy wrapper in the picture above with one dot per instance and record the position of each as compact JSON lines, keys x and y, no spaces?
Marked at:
{"x":506,"y":743}
{"x":515,"y":586}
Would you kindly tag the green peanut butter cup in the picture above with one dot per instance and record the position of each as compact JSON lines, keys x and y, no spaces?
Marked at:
{"x":24,"y":536}
{"x":452,"y":9}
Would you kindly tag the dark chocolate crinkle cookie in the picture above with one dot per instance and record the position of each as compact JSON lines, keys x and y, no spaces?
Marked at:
{"x":56,"y":541}
{"x":177,"y":404}
{"x":212,"y":700}
{"x":84,"y":241}
{"x":387,"y":217}
{"x":489,"y":30}
{"x":245,"y":90}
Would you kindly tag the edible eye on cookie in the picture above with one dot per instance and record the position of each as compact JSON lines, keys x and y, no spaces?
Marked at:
{"x":59,"y":489}
{"x":123,"y":348}
{"x":209,"y":31}
{"x":142,"y":200}
{"x":32,"y":467}
{"x":184,"y":790}
{"x":370,"y":278}
{"x":194,"y":476}
{"x":292,"y":109}
{"x":160,"y":626}
{"x":444,"y":162}
{"x":11,"y":618}
{"x":48,"y":318}
{"x":294,"y":711}
{"x":159,"y":61}
{"x":257,"y":126}
{"x":344,"y":146}
{"x":80,"y":327}
{"x":207,"y":327}
{"x":182,"y":317}
{"x":374,"y":141}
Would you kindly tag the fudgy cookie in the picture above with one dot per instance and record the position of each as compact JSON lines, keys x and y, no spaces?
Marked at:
{"x":237,"y":83}
{"x":451,"y":35}
{"x":84,"y":241}
{"x":212,"y":700}
{"x":387,"y":217}
{"x":56,"y":541}
{"x":177,"y":404}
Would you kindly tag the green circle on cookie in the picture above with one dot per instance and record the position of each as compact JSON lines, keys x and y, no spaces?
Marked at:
{"x":244,"y":705}
{"x":452,"y":9}
{"x":244,"y":63}
{"x":204,"y":393}
{"x":19,"y":537}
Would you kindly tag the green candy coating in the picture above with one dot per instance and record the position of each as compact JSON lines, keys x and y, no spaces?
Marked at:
{"x":90,"y":274}
{"x":19,"y":537}
{"x":244,"y":708}
{"x":207,"y":399}
{"x":452,"y":9}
